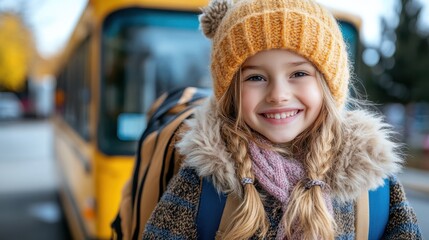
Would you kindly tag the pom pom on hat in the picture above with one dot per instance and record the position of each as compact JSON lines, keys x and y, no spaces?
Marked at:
{"x":212,"y":16}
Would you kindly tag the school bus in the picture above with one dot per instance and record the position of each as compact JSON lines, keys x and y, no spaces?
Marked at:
{"x":121,"y":55}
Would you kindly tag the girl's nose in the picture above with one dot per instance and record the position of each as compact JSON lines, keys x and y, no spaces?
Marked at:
{"x":278,"y":92}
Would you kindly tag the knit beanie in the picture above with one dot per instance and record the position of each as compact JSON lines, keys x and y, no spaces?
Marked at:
{"x":241,"y":29}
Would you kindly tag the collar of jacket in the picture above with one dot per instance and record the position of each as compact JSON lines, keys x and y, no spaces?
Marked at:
{"x":367,"y":158}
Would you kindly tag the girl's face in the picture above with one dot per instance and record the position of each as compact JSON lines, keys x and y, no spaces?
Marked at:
{"x":280,"y":94}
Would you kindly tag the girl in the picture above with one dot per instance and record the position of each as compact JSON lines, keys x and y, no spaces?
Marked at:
{"x":278,"y":134}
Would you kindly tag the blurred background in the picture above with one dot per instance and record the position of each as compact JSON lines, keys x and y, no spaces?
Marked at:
{"x":78,"y":76}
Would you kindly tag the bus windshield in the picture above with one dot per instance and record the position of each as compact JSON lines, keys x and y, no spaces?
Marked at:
{"x":144,"y":54}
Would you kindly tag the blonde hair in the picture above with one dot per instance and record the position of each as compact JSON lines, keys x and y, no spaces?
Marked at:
{"x":315,"y":147}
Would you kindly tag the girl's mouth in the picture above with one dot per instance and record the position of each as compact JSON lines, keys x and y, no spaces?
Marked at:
{"x":281,"y":115}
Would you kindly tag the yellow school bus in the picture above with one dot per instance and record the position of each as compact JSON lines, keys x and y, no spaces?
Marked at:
{"x":121,"y":55}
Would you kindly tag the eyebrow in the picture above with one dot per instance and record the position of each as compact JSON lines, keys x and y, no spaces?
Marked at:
{"x":300,"y":63}
{"x":250,"y":67}
{"x":294,"y":64}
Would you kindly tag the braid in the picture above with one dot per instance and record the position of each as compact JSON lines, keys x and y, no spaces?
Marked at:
{"x":307,"y":207}
{"x":250,"y":216}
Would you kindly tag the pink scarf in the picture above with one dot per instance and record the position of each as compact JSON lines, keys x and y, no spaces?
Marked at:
{"x":278,"y":176}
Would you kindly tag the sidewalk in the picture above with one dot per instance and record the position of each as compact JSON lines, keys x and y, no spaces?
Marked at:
{"x":415,"y":179}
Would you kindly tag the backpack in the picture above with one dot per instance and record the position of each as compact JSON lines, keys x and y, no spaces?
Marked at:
{"x":157,"y":162}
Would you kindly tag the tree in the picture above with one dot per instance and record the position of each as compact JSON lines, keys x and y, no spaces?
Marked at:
{"x":402,"y":73}
{"x":16,"y":51}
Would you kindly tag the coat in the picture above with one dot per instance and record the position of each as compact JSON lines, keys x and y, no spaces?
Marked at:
{"x":368,"y":157}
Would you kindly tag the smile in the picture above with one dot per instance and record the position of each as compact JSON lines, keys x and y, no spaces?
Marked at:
{"x":281,"y":115}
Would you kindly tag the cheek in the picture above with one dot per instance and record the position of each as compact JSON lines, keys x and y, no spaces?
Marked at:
{"x":316,"y":102}
{"x":318,"y":99}
{"x":314,"y":96}
{"x":248,"y":99}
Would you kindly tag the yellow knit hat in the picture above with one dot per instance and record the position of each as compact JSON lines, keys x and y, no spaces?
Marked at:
{"x":240,"y":30}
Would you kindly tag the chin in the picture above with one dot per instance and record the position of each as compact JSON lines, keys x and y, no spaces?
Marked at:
{"x":277,"y":140}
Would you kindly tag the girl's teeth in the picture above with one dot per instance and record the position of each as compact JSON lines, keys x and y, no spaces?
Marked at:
{"x":281,"y":115}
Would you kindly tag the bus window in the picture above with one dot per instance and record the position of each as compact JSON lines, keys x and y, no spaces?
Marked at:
{"x":145,"y":53}
{"x":75,"y":79}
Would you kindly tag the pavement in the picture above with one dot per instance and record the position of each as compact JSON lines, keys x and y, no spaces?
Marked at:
{"x":32,"y":216}
{"x":29,"y":207}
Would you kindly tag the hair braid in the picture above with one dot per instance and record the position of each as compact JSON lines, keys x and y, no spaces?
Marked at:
{"x":250,"y":216}
{"x":307,"y":207}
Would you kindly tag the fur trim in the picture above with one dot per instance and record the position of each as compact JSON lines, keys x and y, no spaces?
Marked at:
{"x":205,"y":150}
{"x":212,"y":16}
{"x":369,"y":155}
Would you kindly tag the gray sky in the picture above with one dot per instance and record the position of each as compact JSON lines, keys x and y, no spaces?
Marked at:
{"x":53,"y":19}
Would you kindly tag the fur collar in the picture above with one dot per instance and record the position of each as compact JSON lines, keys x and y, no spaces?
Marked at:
{"x":369,"y":155}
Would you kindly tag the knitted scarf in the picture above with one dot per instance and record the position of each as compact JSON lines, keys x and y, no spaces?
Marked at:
{"x":278,"y":176}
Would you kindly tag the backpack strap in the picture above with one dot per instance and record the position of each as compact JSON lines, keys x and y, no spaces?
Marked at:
{"x":362,"y":216}
{"x":150,"y":186}
{"x":379,"y":202}
{"x":182,"y":99}
{"x":372,"y":212}
{"x":231,"y":205}
{"x":210,"y":210}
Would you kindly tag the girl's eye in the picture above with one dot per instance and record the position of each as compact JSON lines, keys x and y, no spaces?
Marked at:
{"x":299,"y":74}
{"x":255,"y":78}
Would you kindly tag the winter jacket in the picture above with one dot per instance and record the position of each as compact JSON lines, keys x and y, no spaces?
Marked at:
{"x":368,"y":157}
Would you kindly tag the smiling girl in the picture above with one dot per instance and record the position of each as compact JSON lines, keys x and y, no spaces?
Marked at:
{"x":278,"y":134}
